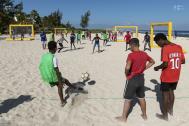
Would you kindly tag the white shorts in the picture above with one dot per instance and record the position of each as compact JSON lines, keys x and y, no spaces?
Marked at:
{"x":43,"y":42}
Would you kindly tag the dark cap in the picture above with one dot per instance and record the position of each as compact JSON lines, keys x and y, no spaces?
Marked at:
{"x":160,"y":36}
{"x":134,"y":41}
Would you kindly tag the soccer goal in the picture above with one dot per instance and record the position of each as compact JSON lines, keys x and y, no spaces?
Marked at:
{"x":169,"y":26}
{"x":121,"y":31}
{"x":60,"y":30}
{"x":21,"y":32}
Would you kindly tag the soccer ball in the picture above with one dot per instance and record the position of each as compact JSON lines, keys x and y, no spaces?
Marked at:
{"x":85,"y":76}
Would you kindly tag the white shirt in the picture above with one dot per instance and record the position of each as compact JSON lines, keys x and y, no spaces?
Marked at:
{"x":55,"y":62}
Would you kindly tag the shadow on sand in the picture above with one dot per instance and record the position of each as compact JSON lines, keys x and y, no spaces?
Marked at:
{"x":158,"y":92}
{"x":9,"y":104}
{"x":70,"y":90}
{"x":67,"y":50}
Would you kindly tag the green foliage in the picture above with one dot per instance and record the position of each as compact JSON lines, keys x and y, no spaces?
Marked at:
{"x":52,"y":21}
{"x":7,"y":12}
{"x":85,"y":19}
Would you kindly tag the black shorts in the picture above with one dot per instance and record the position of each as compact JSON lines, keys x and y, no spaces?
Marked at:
{"x":166,"y":86}
{"x":52,"y":84}
{"x":134,"y":87}
{"x":60,"y":44}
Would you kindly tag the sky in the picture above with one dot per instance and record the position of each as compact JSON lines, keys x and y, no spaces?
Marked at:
{"x":107,"y":13}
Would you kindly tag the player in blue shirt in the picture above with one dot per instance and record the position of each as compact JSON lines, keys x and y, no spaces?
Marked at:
{"x":43,"y":39}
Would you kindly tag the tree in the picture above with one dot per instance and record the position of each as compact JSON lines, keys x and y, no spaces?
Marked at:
{"x":85,"y":19}
{"x":35,"y":19}
{"x":53,"y":20}
{"x":7,"y":12}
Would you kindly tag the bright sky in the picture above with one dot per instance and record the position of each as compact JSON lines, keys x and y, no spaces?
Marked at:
{"x":106,"y":13}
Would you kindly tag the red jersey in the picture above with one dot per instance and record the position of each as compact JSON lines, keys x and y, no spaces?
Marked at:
{"x":172,"y":54}
{"x":127,"y":37}
{"x":138,"y":63}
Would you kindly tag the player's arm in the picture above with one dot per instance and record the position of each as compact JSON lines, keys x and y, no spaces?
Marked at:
{"x":59,"y":75}
{"x":127,"y":68}
{"x":183,"y":61}
{"x":164,"y":59}
{"x":150,"y":63}
{"x":162,"y":66}
{"x":183,"y":58}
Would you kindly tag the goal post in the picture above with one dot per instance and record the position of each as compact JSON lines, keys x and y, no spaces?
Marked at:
{"x":155,"y":24}
{"x":135,"y":28}
{"x":60,"y":30}
{"x":21,"y":32}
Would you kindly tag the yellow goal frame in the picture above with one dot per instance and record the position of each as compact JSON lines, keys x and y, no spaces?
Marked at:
{"x":55,"y":30}
{"x":152,"y":25}
{"x":21,"y":25}
{"x":130,"y":27}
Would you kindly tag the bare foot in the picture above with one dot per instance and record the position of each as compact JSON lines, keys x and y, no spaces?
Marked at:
{"x":160,"y":116}
{"x":144,"y":117}
{"x":171,"y":112}
{"x":121,"y":119}
{"x":63,"y":104}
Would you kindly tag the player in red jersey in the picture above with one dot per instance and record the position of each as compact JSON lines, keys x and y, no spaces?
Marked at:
{"x":127,"y":39}
{"x":172,"y":57}
{"x":137,"y":62}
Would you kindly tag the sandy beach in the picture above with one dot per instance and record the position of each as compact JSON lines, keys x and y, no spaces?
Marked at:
{"x":26,"y":101}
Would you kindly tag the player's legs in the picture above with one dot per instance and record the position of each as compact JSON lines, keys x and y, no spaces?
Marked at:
{"x":126,"y":107}
{"x":61,"y":47}
{"x":60,"y":93}
{"x":42,"y":44}
{"x":71,"y":45}
{"x":171,"y":101}
{"x":74,"y":45}
{"x":141,"y":95}
{"x":142,"y":103}
{"x":95,"y":44}
{"x":165,"y":105}
{"x":98,"y":47}
{"x":104,"y":42}
{"x":145,"y":43}
{"x":129,"y":93}
{"x":172,"y":97}
{"x":45,"y":44}
{"x":165,"y":88}
{"x":149,"y":46}
{"x":94,"y":47}
{"x":127,"y":46}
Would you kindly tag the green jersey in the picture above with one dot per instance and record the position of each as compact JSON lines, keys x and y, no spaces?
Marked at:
{"x":78,"y":36}
{"x":46,"y":68}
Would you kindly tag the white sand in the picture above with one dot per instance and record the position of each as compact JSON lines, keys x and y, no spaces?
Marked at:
{"x":19,"y":75}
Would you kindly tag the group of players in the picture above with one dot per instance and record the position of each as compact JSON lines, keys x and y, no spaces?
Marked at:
{"x":78,"y":37}
{"x":137,"y":62}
